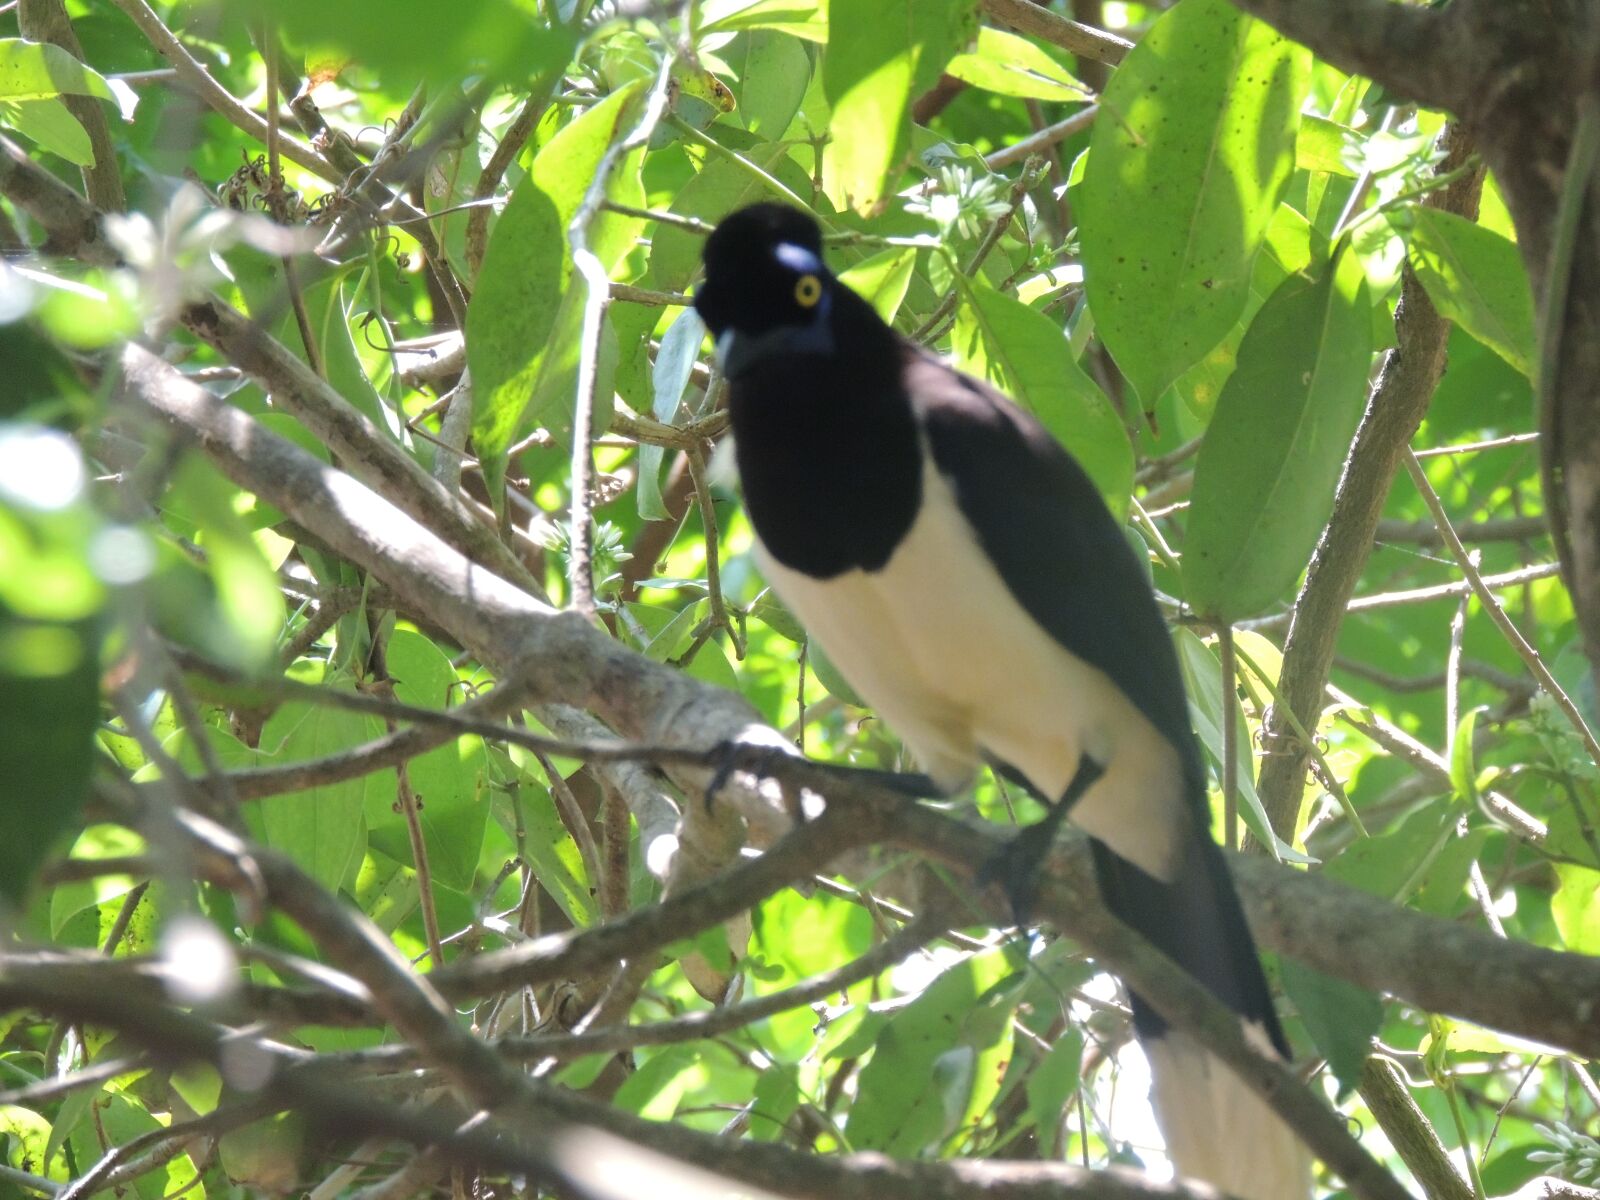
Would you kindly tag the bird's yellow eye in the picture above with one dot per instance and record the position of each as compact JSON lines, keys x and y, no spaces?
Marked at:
{"x":807,"y":291}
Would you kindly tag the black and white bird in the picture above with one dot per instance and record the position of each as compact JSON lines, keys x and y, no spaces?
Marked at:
{"x":965,"y":576}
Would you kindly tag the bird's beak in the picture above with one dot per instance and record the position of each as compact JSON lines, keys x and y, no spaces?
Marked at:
{"x":736,"y":352}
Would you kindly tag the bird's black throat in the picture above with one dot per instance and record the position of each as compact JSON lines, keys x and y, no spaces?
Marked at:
{"x":827,"y":448}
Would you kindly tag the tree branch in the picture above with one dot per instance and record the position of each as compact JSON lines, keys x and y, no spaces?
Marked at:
{"x":1538,"y":994}
{"x":1395,"y":409}
{"x":1408,"y":1131}
{"x":1413,"y":51}
{"x":1082,"y":40}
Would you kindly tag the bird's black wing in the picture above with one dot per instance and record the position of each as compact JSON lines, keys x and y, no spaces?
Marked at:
{"x":1042,"y":522}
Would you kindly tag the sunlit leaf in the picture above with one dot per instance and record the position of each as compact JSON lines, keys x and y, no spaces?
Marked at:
{"x":527,"y":277}
{"x":806,"y":19}
{"x":321,"y":828}
{"x":500,"y":38}
{"x":1576,"y":908}
{"x":882,"y":279}
{"x":896,"y":1110}
{"x":1266,"y":474}
{"x":1009,"y":65}
{"x":52,"y":125}
{"x":1341,"y":1018}
{"x":1023,"y":353}
{"x":881,"y":55}
{"x":1476,"y":278}
{"x":774,"y":71}
{"x":1192,"y":150}
{"x":40,"y":71}
{"x":448,"y":783}
{"x":1051,"y":1084}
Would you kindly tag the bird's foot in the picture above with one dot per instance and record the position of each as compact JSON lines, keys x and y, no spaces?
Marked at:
{"x":1015,"y":866}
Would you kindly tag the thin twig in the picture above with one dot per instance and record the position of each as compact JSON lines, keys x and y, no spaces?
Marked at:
{"x":580,"y":562}
{"x":661,"y":217}
{"x":411,"y":808}
{"x":1400,"y":743}
{"x":1491,"y":606}
{"x":1513,"y":439}
{"x":1072,"y":36}
{"x":1230,"y":738}
{"x":1043,"y":140}
{"x":45,"y":1091}
{"x":708,"y":523}
{"x":327,"y":614}
{"x":573,"y":817}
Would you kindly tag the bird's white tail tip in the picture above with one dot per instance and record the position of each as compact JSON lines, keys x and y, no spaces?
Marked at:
{"x":1218,"y":1130}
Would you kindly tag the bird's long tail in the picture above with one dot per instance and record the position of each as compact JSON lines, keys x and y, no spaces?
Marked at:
{"x":1217,"y":1129}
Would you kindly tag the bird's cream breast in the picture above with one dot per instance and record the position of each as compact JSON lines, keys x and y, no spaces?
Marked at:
{"x":936,"y":642}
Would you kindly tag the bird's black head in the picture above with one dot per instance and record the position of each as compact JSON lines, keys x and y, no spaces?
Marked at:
{"x":767,"y":290}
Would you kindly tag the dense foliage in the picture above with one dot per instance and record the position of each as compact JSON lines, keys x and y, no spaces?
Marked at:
{"x":462,"y":243}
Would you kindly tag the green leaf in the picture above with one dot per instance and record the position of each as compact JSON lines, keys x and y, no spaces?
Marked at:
{"x":556,"y":858}
{"x":1341,"y":1018}
{"x":1051,"y":1084}
{"x":777,"y":1097}
{"x":405,"y":39}
{"x":241,"y":628}
{"x":1393,"y":865}
{"x":67,"y":900}
{"x":774,"y":71}
{"x":50,"y":637}
{"x":51,"y":124}
{"x":656,"y":1088}
{"x":1287,"y":251}
{"x":321,"y":828}
{"x":527,"y":278}
{"x":1475,"y":277}
{"x":1186,"y":166}
{"x":956,"y":1034}
{"x":769,"y":609}
{"x":806,"y":19}
{"x":1265,"y":477}
{"x":1202,"y":674}
{"x":448,"y":782}
{"x":1009,"y":65}
{"x":1576,"y":908}
{"x":384,"y":889}
{"x":119,"y":1119}
{"x":1320,"y":146}
{"x":881,"y":55}
{"x":26,"y":1135}
{"x":829,"y":677}
{"x":1443,"y":890}
{"x":1463,"y":762}
{"x":40,"y":71}
{"x":882,"y":279}
{"x":1024,"y":354}
{"x":328,"y":311}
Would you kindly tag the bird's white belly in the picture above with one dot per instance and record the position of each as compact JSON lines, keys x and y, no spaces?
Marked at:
{"x":936,"y":642}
